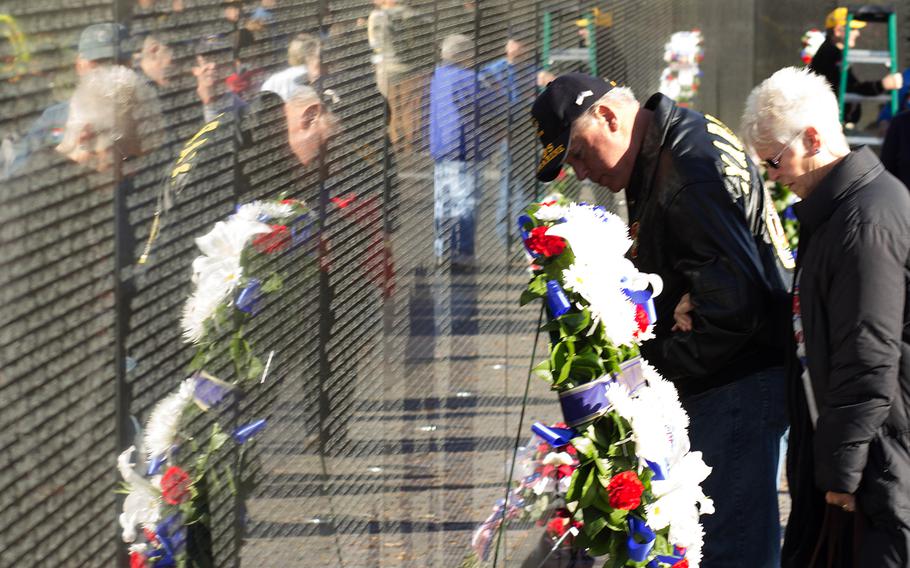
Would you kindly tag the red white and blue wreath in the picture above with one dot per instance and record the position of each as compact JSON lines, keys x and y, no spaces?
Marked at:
{"x":636,"y":491}
{"x":163,"y":474}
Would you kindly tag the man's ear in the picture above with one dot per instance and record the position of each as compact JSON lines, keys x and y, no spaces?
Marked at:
{"x":308,"y":115}
{"x":606,"y":114}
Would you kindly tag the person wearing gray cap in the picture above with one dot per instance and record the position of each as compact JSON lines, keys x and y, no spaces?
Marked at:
{"x":99,"y":45}
{"x":701,"y":219}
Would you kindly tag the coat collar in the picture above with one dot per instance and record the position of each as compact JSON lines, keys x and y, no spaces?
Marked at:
{"x":643,"y":172}
{"x":855,"y":170}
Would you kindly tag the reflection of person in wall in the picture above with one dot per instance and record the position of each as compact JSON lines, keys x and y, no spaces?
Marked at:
{"x":100,"y":45}
{"x":107,"y":121}
{"x":303,"y":66}
{"x":210,"y":69}
{"x":114,"y":120}
{"x":828,"y":60}
{"x":309,"y":122}
{"x":156,"y":61}
{"x":510,"y":82}
{"x":452,"y":102}
{"x":389,"y":25}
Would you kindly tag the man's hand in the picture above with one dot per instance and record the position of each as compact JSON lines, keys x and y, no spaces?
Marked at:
{"x":893,"y":82}
{"x":845,"y":501}
{"x":681,"y":314}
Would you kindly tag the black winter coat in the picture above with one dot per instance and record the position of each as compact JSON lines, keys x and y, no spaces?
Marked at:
{"x":701,"y":219}
{"x":853,"y":278}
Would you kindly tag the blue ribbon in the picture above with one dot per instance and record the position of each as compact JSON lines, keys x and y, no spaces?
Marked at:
{"x":209,"y":391}
{"x":556,"y":437}
{"x":657,"y":469}
{"x":155,"y":464}
{"x":584,"y":403}
{"x":556,"y":299}
{"x":639,"y":531}
{"x":244,"y":433}
{"x":301,"y":235}
{"x":171,"y":535}
{"x":665,"y":559}
{"x":643,"y":298}
{"x":522,"y":221}
{"x":248,"y":298}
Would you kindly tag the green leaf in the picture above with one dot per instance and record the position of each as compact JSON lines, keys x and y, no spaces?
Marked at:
{"x":256,"y":368}
{"x":603,"y":466}
{"x":564,"y":371}
{"x":588,"y":492}
{"x":199,"y":359}
{"x":579,"y":476}
{"x":602,"y":432}
{"x":595,"y":521}
{"x":538,"y":285}
{"x":527,"y":297}
{"x":552,"y":325}
{"x":602,"y":499}
{"x":601,"y":546}
{"x":585,"y":447}
{"x":218,"y":438}
{"x":273,"y":283}
{"x":576,"y":322}
{"x":617,"y":519}
{"x":542,"y":370}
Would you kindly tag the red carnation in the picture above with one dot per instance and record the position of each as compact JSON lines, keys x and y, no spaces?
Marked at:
{"x":565,"y":471}
{"x":540,"y":243}
{"x":175,"y":486}
{"x":681,"y":564}
{"x":557,"y":526}
{"x":641,"y":318}
{"x":625,"y":491}
{"x":277,"y":240}
{"x":137,"y":560}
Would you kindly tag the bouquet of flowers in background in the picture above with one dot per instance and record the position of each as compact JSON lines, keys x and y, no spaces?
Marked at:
{"x":636,"y":490}
{"x":544,"y":474}
{"x":783,"y":201}
{"x":681,"y":78}
{"x":811,"y":41}
{"x":169,"y":472}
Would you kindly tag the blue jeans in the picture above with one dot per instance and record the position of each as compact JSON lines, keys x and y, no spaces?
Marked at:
{"x":738,"y":428}
{"x":454,"y":210}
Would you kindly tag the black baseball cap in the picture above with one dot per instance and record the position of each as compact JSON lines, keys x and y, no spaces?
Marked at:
{"x":566,"y":98}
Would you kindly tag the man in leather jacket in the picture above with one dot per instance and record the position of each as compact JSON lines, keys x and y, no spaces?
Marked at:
{"x":701,"y":219}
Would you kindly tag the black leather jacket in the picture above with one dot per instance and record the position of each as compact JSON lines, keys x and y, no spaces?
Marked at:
{"x":700,"y":218}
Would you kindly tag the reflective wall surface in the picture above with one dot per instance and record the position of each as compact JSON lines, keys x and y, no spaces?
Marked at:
{"x":398,"y":354}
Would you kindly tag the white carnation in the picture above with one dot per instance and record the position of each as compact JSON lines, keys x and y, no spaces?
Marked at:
{"x":161,"y":428}
{"x":142,"y":504}
{"x":550,"y":212}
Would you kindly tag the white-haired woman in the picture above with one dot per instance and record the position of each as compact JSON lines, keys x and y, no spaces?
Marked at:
{"x":849,"y":457}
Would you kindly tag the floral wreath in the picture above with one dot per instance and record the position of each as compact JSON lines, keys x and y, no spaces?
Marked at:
{"x":166,"y":479}
{"x":636,"y":491}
